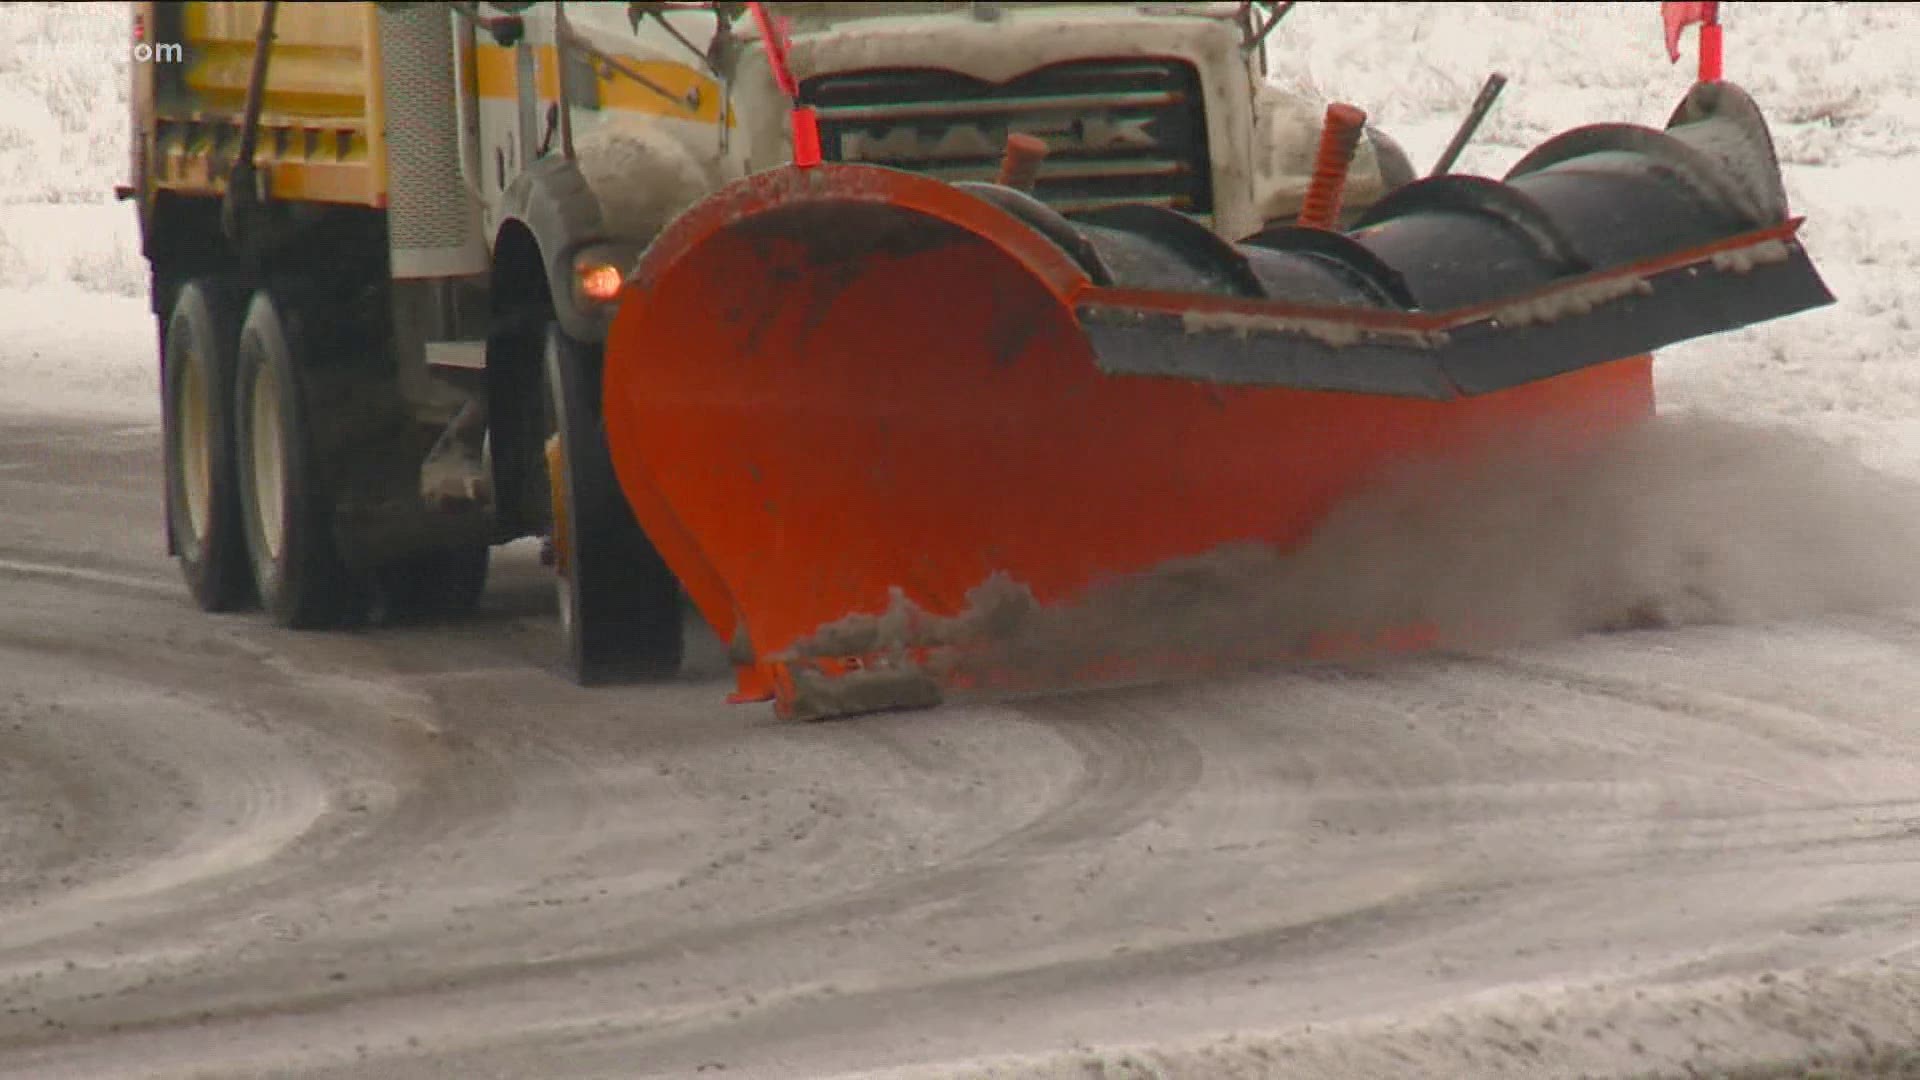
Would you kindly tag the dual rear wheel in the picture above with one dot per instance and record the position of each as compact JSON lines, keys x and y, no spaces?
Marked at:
{"x":285,"y":505}
{"x":250,"y":495}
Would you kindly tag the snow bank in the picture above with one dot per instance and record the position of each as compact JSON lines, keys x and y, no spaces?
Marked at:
{"x":1836,"y":80}
{"x":71,"y":352}
{"x":63,"y":101}
{"x":1840,"y":86}
{"x":75,"y":337}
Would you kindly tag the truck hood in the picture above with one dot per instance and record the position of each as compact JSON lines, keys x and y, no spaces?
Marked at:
{"x":1021,"y":38}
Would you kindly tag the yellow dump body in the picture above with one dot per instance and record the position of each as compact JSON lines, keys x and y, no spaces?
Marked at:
{"x":321,"y":119}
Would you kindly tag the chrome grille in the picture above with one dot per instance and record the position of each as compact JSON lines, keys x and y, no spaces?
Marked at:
{"x":1118,"y":131}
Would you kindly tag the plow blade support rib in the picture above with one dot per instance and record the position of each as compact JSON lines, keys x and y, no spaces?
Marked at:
{"x":869,"y":417}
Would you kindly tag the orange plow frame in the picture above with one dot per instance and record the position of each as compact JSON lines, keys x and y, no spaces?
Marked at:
{"x":827,"y":389}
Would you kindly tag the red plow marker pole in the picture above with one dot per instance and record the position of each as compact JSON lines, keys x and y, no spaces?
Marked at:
{"x":805,"y":122}
{"x":1339,"y":137}
{"x":1710,"y":52}
{"x":1684,"y":13}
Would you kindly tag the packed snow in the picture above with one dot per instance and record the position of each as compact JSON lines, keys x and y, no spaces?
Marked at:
{"x":78,"y":338}
{"x":1838,"y":82}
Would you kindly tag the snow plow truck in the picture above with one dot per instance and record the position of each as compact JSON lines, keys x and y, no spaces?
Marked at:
{"x":875,"y":332}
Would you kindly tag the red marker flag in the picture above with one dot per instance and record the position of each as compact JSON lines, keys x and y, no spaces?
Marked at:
{"x":1680,"y":14}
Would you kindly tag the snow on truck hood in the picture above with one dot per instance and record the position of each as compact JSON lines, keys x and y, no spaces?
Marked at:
{"x":807,"y":18}
{"x":1005,"y":47}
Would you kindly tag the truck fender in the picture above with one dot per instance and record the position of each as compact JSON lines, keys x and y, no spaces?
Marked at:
{"x":625,"y":183}
{"x":552,"y":201}
{"x":645,"y":171}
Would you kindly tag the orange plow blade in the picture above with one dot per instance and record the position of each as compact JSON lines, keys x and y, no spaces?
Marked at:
{"x":876,"y":422}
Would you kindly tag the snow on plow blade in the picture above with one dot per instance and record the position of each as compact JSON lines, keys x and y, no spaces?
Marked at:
{"x":877,"y":423}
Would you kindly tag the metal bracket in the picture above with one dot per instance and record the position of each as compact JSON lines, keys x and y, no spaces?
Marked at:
{"x":244,"y":188}
{"x":1259,"y":37}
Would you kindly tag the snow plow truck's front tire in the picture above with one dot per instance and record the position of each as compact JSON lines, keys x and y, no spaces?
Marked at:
{"x":619,"y":604}
{"x":285,"y":500}
{"x":203,"y":508}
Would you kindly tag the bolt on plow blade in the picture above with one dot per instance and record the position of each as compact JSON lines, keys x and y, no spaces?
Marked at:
{"x":886,"y":429}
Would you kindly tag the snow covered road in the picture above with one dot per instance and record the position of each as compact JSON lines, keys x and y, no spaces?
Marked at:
{"x":418,"y":852}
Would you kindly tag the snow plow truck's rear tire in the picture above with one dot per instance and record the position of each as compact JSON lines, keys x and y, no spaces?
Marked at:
{"x":203,"y":508}
{"x":285,"y":501}
{"x":620,"y":612}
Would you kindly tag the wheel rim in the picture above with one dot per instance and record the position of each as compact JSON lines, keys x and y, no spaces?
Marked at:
{"x":194,"y":432}
{"x":269,"y":463}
